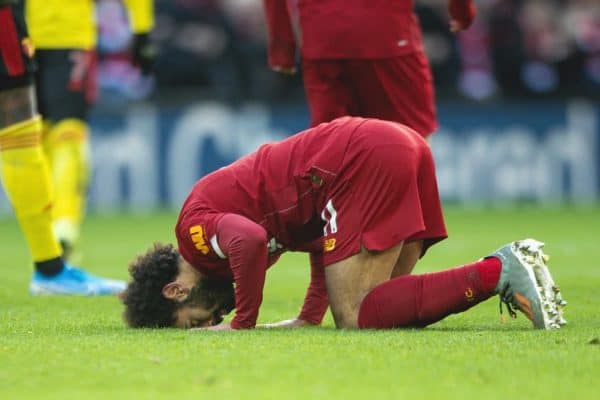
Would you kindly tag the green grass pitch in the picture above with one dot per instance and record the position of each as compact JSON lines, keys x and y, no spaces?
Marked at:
{"x":62,"y":348}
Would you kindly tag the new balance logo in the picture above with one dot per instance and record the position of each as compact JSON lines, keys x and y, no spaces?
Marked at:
{"x":329,"y":244}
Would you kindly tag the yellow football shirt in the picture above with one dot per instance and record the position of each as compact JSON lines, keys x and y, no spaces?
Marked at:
{"x":68,"y":24}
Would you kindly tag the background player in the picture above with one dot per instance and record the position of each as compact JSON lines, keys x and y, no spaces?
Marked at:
{"x":360,"y":195}
{"x":64,"y":34}
{"x":24,"y":169}
{"x":361,"y":58}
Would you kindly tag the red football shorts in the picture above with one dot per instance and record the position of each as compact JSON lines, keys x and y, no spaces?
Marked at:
{"x":396,"y":89}
{"x":385,"y":192}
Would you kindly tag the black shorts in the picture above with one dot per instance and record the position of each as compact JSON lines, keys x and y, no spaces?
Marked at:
{"x":65,"y":83}
{"x":16,"y":53}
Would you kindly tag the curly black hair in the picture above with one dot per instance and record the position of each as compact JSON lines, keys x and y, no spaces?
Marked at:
{"x":145,"y":306}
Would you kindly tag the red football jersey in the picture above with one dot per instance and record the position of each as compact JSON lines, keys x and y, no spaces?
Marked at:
{"x":329,"y":190}
{"x":273,"y":187}
{"x":342,"y":29}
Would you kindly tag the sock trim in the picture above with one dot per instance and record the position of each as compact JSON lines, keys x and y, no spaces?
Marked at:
{"x":21,"y":140}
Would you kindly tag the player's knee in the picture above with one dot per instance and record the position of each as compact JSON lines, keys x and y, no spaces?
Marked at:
{"x":345,"y":317}
{"x":17,"y":106}
{"x":346,"y":322}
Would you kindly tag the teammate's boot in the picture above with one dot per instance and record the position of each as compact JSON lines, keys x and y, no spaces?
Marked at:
{"x":74,"y":281}
{"x":526,"y":284}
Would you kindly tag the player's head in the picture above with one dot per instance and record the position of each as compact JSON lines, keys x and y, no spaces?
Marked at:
{"x":165,"y":291}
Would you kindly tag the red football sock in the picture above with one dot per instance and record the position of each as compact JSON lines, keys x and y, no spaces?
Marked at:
{"x":420,"y":300}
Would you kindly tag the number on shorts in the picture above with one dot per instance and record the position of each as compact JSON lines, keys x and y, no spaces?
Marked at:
{"x":329,"y":215}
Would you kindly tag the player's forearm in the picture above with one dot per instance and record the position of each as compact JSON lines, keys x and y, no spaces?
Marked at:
{"x":314,"y":309}
{"x":141,"y":15}
{"x":245,"y":245}
{"x":281,"y":39}
{"x":316,"y":301}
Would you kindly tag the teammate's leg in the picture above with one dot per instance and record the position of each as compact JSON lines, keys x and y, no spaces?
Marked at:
{"x":24,"y":171}
{"x":350,"y":280}
{"x":66,"y":145}
{"x":26,"y":178}
{"x":328,"y":92}
{"x":397,"y":89}
{"x":65,"y":80}
{"x":27,"y":183}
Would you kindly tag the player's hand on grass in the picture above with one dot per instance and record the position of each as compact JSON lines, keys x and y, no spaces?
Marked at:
{"x":462,"y":14}
{"x":220,"y":327}
{"x":284,"y":70}
{"x":288,"y":323}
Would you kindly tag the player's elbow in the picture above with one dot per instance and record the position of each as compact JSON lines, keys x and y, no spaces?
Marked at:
{"x":255,"y":238}
{"x":345,"y":319}
{"x":250,"y":240}
{"x":237,"y":233}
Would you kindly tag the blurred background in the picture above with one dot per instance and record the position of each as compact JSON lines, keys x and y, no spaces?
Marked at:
{"x":516,"y":49}
{"x":518,"y":101}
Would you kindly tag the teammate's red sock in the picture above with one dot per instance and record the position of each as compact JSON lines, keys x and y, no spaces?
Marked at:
{"x":420,"y":300}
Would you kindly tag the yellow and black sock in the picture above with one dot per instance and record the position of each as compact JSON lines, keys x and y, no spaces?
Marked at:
{"x":27,"y":184}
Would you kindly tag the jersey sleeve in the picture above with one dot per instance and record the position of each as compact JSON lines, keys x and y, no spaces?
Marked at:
{"x":244,"y":243}
{"x":196,"y":239}
{"x":281,"y":40}
{"x":141,"y":15}
{"x":316,"y":301}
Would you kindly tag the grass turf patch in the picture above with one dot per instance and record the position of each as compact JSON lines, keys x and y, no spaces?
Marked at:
{"x":67,"y":347}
